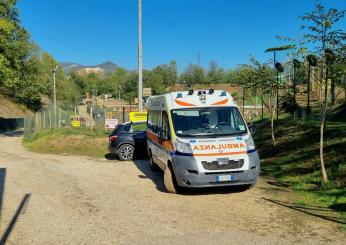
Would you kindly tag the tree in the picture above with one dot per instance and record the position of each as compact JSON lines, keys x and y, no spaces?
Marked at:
{"x":18,"y":64}
{"x":321,"y":32}
{"x":244,"y":77}
{"x":264,"y":86}
{"x":193,"y":74}
{"x":172,"y":74}
{"x":129,"y":87}
{"x":187,"y":76}
{"x":212,"y":75}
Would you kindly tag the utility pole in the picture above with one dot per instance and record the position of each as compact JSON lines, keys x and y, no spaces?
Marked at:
{"x":54,"y":93}
{"x":140,"y":58}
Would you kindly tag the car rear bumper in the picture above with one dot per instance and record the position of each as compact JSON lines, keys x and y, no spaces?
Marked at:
{"x":112,"y":149}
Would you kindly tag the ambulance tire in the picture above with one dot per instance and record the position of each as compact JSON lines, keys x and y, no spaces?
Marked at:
{"x":153,"y":165}
{"x":169,"y":180}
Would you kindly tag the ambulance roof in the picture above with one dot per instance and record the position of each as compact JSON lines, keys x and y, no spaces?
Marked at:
{"x":191,"y":99}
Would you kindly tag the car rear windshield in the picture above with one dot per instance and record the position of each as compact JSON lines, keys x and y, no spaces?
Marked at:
{"x":139,"y":127}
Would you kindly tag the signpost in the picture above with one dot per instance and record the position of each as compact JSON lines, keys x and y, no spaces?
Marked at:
{"x":111,"y":123}
{"x":146,"y":92}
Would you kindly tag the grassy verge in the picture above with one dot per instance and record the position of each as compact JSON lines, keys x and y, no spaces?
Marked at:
{"x":295,"y":159}
{"x":68,"y":140}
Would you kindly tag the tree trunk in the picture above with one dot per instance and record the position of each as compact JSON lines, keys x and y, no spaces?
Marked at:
{"x":326,"y":87}
{"x":262,"y":109}
{"x":294,"y":85}
{"x":332,"y":93}
{"x":323,"y":169}
{"x":308,"y":89}
{"x":344,"y":79}
{"x":272,"y":126}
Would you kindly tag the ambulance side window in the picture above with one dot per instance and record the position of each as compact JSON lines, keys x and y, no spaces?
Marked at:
{"x":165,"y":123}
{"x":153,"y":120}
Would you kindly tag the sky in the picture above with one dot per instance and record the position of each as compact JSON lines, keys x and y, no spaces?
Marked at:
{"x":90,"y":32}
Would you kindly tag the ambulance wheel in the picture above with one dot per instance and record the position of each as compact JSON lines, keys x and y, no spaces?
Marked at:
{"x":169,"y":180}
{"x":153,"y":166}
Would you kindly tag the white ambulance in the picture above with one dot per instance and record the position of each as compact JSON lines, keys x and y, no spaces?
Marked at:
{"x":200,"y":139}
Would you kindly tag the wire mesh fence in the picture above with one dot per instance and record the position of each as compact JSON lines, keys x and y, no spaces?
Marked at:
{"x":82,"y":117}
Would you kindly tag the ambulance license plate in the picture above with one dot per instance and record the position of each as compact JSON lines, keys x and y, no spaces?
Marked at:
{"x":224,"y":178}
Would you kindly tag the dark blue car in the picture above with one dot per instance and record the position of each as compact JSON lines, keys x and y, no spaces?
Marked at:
{"x":128,"y":140}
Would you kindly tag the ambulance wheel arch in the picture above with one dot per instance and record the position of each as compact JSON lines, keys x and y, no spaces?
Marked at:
{"x":149,"y":151}
{"x":169,"y":179}
{"x":153,"y":166}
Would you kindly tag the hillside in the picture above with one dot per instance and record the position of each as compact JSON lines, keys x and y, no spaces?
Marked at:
{"x":10,"y":109}
{"x":107,"y":66}
{"x":295,"y":162}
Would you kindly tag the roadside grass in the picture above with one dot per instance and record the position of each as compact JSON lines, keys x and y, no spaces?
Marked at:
{"x":76,"y":141}
{"x":295,"y":159}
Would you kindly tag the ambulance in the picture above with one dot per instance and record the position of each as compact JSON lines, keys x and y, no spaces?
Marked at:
{"x":200,"y":139}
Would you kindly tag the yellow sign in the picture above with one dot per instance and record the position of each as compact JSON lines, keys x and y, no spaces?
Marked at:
{"x":138,"y":116}
{"x":75,"y":122}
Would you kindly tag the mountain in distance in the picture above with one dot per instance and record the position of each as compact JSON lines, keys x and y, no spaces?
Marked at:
{"x":107,"y":66}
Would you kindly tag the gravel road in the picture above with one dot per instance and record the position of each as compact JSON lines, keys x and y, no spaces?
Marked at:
{"x":82,"y":200}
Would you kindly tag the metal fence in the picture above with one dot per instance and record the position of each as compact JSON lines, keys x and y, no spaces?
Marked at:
{"x":46,"y":119}
{"x":88,"y":117}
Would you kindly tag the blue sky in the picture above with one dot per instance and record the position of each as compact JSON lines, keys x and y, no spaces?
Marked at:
{"x":227,"y":31}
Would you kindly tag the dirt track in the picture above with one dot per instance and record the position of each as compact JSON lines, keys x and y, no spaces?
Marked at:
{"x":81,"y":200}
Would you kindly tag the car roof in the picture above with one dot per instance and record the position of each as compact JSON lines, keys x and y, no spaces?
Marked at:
{"x":127,"y":123}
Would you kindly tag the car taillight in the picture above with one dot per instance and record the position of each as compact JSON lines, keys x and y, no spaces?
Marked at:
{"x":113,"y":138}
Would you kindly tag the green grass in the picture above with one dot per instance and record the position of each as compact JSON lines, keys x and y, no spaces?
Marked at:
{"x":295,"y":159}
{"x":76,"y":141}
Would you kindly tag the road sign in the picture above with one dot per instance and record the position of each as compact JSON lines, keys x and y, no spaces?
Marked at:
{"x":146,"y":92}
{"x":138,"y":116}
{"x":111,"y":123}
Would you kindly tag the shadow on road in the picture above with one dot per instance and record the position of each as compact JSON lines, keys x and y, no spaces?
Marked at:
{"x":277,"y":183}
{"x":157,"y":179}
{"x":320,"y":212}
{"x":2,"y":187}
{"x":138,"y":156}
{"x":12,"y":133}
{"x":111,"y":156}
{"x":20,"y":210}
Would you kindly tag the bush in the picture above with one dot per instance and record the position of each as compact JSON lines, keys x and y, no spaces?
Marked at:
{"x":289,"y":105}
{"x":235,"y":95}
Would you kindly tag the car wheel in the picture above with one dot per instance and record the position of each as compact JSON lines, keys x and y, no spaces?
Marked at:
{"x":168,"y":179}
{"x":126,"y":152}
